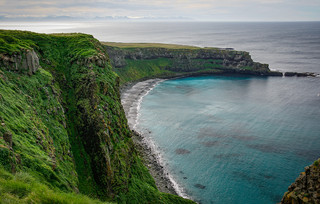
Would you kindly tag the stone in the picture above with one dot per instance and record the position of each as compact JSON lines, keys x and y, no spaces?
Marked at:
{"x":306,"y":187}
{"x":26,"y":60}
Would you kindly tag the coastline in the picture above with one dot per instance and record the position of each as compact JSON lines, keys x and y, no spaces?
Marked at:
{"x":131,"y":97}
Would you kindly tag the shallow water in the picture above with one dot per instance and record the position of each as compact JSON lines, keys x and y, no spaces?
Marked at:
{"x":234,"y":139}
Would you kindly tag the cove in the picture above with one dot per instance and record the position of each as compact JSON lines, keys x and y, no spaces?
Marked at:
{"x":233,"y":139}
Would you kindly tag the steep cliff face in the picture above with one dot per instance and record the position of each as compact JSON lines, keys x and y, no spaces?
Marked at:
{"x":140,"y":62}
{"x":62,"y":123}
{"x":306,"y":188}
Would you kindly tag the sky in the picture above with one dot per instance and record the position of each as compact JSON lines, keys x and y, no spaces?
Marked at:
{"x":202,"y":10}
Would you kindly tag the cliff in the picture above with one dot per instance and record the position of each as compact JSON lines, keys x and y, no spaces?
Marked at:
{"x":306,"y":188}
{"x":63,"y":132}
{"x":140,"y":61}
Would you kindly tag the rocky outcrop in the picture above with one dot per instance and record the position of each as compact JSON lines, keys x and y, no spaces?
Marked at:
{"x":299,"y":74}
{"x":306,"y":188}
{"x":27,"y":61}
{"x":100,"y":60}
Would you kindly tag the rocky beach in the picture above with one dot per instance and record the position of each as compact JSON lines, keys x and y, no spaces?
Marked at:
{"x":131,"y":98}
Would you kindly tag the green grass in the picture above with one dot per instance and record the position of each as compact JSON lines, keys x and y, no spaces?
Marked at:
{"x":148,"y":45}
{"x":39,"y":139}
{"x":9,"y":44}
{"x":21,"y":187}
{"x":140,"y":69}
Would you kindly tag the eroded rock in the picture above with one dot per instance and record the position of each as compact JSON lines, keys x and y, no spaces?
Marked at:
{"x":306,"y":188}
{"x":25,"y":61}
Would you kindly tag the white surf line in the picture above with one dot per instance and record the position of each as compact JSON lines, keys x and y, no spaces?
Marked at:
{"x":131,"y":101}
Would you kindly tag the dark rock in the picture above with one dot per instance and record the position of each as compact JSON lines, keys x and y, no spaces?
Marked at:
{"x":288,"y":74}
{"x":274,"y":73}
{"x":302,"y":74}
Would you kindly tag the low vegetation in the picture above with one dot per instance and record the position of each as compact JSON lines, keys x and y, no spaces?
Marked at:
{"x":148,"y":45}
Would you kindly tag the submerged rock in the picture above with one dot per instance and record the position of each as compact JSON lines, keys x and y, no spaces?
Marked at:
{"x":199,"y":186}
{"x":182,"y":151}
{"x":210,"y":143}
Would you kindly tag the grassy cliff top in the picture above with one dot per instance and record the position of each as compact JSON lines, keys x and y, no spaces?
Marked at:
{"x":149,"y":45}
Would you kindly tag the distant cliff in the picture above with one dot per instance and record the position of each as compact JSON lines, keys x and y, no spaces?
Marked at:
{"x":306,"y":188}
{"x":139,"y":61}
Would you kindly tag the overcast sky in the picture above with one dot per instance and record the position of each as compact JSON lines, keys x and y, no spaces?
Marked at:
{"x":209,"y":10}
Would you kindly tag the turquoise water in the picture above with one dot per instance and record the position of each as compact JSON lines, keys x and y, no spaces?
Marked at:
{"x":234,"y":139}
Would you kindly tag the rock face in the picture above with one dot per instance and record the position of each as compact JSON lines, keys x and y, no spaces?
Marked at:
{"x":26,"y":61}
{"x":306,"y":188}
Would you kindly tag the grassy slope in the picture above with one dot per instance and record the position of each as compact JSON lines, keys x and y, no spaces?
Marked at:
{"x":136,"y":70}
{"x":21,"y":187}
{"x":71,"y":103}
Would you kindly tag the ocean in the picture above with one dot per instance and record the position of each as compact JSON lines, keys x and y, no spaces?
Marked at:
{"x":234,"y":139}
{"x":226,"y":139}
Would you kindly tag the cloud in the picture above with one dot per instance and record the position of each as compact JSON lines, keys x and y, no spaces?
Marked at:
{"x":200,"y":9}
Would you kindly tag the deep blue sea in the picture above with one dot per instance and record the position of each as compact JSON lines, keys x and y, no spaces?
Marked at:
{"x":228,"y":140}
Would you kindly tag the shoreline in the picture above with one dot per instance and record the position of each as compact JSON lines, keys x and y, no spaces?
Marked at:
{"x":131,"y":97}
